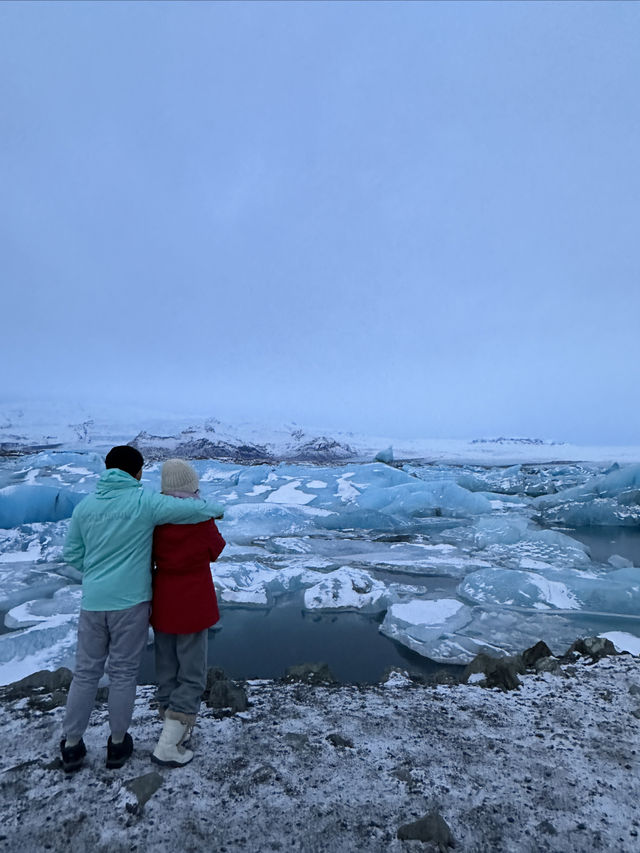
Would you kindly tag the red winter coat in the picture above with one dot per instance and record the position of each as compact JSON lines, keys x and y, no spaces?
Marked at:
{"x":184,"y":598}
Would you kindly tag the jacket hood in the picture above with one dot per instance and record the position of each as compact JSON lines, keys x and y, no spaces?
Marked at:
{"x":113,"y":480}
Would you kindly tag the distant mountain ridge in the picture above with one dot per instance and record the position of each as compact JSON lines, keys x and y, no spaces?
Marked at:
{"x":208,"y":438}
{"x":192,"y":444}
{"x":520,"y":440}
{"x":40,"y":426}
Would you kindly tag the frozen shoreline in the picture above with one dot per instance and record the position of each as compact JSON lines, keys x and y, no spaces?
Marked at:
{"x":550,"y":766}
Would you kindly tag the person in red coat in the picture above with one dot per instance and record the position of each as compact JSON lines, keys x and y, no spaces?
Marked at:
{"x":183,"y":608}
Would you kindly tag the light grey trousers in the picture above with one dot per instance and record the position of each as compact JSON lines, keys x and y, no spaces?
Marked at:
{"x":181,"y":670}
{"x":120,"y":636}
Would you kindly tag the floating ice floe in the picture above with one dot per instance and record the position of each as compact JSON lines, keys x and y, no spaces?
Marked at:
{"x":290,"y":493}
{"x":616,"y":592}
{"x":623,"y":642}
{"x":64,"y":601}
{"x":420,"y":623}
{"x":46,"y":638}
{"x":245,"y":522}
{"x":21,"y":581}
{"x":348,"y":589}
{"x":252,"y":584}
{"x":31,"y":543}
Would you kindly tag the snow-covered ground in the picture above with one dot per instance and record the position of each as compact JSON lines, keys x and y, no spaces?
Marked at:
{"x":551,"y":766}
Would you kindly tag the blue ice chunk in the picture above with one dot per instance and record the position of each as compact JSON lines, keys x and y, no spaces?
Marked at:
{"x":594,"y":512}
{"x":34,"y":612}
{"x":509,"y":539}
{"x":48,"y":645}
{"x":347,"y":588}
{"x":21,"y":581}
{"x":517,"y":589}
{"x":253,"y":584}
{"x":500,"y":632}
{"x":611,"y":499}
{"x":420,"y":499}
{"x":616,"y":592}
{"x":352,"y":518}
{"x":35,"y":543}
{"x":421,"y":622}
{"x":25,"y":504}
{"x":500,"y":530}
{"x":253,"y":476}
{"x":244,"y":522}
{"x":385,"y":455}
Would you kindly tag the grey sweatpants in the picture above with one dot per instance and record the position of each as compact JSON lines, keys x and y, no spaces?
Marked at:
{"x":122,"y":636}
{"x":181,"y":670}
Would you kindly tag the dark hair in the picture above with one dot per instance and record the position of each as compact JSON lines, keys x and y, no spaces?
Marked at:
{"x":126,"y":458}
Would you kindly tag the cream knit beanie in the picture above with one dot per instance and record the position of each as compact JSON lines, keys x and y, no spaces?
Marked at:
{"x":179,"y":476}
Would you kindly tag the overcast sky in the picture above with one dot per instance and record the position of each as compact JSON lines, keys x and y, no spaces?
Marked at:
{"x":413,"y":219}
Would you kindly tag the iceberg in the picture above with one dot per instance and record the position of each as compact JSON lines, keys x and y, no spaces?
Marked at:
{"x":611,"y":499}
{"x":498,"y":632}
{"x":252,"y":584}
{"x":347,"y":589}
{"x":615,"y":592}
{"x":38,"y":542}
{"x":24,"y":504}
{"x":245,"y":522}
{"x":623,"y":641}
{"x":419,"y":623}
{"x":517,"y":589}
{"x":385,"y":455}
{"x":417,"y":498}
{"x":47,"y":645}
{"x":64,"y":601}
{"x":22,"y":581}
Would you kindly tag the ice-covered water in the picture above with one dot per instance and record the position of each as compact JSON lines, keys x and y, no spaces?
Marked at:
{"x":442,"y":560}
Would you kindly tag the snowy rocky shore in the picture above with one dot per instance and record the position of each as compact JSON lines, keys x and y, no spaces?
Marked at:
{"x":305,"y":764}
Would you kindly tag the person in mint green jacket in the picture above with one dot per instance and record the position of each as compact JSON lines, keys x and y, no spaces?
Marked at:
{"x":109,"y":540}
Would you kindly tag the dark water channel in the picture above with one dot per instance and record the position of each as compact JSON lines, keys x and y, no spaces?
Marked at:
{"x":252,"y":643}
{"x":603,"y":542}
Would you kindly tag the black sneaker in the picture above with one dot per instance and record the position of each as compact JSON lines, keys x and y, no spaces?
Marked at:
{"x":72,"y":756}
{"x":118,"y":753}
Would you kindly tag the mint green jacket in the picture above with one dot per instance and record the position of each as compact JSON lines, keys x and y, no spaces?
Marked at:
{"x":111,"y":534}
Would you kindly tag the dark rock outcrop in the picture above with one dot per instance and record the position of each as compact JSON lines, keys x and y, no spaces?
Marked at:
{"x":548,"y":664}
{"x":222,"y":694}
{"x":310,"y":673}
{"x":532,"y":655}
{"x":432,"y":828}
{"x":143,"y":788}
{"x":338,"y":740}
{"x":498,"y":672}
{"x":592,"y":647}
{"x":44,"y":690}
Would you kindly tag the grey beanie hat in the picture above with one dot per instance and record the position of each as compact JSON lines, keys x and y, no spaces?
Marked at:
{"x":179,"y":476}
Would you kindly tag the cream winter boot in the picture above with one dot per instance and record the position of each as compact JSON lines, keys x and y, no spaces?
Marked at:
{"x":168,"y":751}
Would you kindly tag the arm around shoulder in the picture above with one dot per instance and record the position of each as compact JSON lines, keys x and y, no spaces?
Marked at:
{"x":168,"y":510}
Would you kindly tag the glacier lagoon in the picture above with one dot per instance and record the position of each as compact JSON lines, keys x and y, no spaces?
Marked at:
{"x":412,"y":565}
